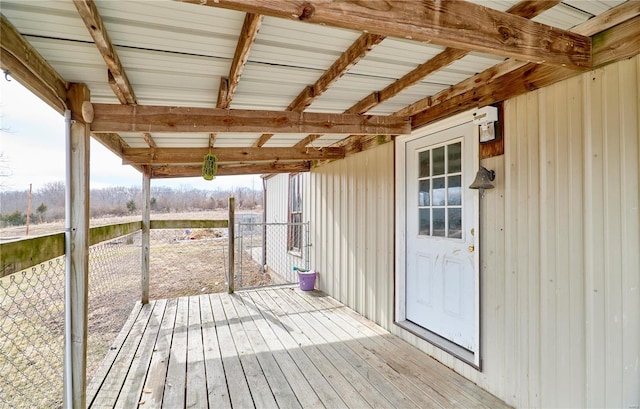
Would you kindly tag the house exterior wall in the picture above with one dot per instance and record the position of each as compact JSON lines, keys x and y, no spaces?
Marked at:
{"x":560,"y":267}
{"x":279,"y":259}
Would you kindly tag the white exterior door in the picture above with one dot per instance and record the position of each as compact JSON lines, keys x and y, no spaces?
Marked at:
{"x":441,"y":278}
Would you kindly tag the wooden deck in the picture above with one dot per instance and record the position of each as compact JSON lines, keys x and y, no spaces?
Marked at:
{"x":269,"y":348}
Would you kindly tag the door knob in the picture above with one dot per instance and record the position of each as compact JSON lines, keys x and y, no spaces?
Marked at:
{"x":472,"y":249}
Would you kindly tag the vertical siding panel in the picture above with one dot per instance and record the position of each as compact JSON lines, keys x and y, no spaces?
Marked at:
{"x":613,"y":244}
{"x":560,"y":245}
{"x":362,"y":225}
{"x":561,"y":230}
{"x":630,"y":118}
{"x":527,"y":240}
{"x":506,"y":366}
{"x":547,"y":253}
{"x":352,"y":236}
{"x":594,"y":245}
{"x":509,"y":286}
{"x":531,"y":116}
{"x":362,"y":230}
{"x":575,"y":240}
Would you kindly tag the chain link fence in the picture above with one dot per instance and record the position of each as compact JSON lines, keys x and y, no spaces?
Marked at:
{"x":271,"y":250}
{"x":183,"y":262}
{"x":32,"y":320}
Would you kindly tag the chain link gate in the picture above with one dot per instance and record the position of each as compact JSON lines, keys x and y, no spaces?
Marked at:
{"x":272,"y":249}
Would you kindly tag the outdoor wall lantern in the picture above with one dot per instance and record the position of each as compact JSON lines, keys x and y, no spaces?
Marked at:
{"x":486,"y":117}
{"x":483,"y":179}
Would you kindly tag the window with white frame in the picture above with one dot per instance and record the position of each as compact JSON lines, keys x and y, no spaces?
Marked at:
{"x":295,"y":213}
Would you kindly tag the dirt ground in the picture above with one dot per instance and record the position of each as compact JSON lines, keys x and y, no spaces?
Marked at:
{"x":183,"y":262}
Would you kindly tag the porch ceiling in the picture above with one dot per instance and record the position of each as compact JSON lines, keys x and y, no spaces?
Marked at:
{"x":267,"y":92}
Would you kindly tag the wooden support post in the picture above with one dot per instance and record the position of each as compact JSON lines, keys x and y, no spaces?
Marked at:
{"x":78,"y":255}
{"x":232,"y":245}
{"x":146,"y":222}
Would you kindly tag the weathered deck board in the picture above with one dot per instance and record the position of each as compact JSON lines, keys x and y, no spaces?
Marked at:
{"x":196,"y":378}
{"x":157,"y":373}
{"x":174,"y":388}
{"x":272,"y":348}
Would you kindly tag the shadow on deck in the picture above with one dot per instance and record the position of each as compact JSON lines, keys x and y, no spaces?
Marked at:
{"x":269,"y":348}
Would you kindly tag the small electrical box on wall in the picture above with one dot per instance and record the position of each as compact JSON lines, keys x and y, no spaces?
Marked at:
{"x":486,"y":118}
{"x":490,"y":122}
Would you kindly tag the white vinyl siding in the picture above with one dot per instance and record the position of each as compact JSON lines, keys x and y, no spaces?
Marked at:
{"x":560,"y":268}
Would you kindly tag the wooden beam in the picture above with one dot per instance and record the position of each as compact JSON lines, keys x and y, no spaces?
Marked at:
{"x":307,"y":140}
{"x":526,"y":9}
{"x":469,"y":84}
{"x":455,"y":24}
{"x":604,"y":21}
{"x":608,"y":19}
{"x":149,"y":140}
{"x":617,"y":44}
{"x":223,"y":93}
{"x":27,"y":66}
{"x":230,"y":169}
{"x":532,"y":8}
{"x":116,"y":73}
{"x":162,"y":156}
{"x":189,"y":224}
{"x":263,"y":139}
{"x":126,"y":118}
{"x":248,"y":35}
{"x":365,"y":43}
{"x":111,"y":141}
{"x":356,"y":51}
{"x":532,"y":76}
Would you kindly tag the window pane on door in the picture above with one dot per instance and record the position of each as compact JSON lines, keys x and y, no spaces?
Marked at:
{"x":438,"y":161}
{"x":423,"y":193}
{"x":454,"y":191}
{"x":439,"y":223}
{"x":438,"y":192}
{"x":425,"y":224}
{"x":454,"y":155}
{"x":455,"y":223}
{"x":423,"y":158}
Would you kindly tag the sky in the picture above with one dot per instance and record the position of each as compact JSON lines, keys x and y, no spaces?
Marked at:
{"x":33,"y":150}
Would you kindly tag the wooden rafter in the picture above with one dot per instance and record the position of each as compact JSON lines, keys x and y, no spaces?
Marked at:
{"x":116,"y":75}
{"x":365,"y":43}
{"x":600,"y":23}
{"x":126,"y":118}
{"x":248,"y":34}
{"x":527,"y":9}
{"x":27,"y":66}
{"x":455,"y":24}
{"x":228,"y":169}
{"x":612,"y":45}
{"x":149,"y":140}
{"x":164,"y":156}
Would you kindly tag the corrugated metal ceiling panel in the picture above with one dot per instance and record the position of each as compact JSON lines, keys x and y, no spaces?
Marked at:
{"x":53,"y":19}
{"x":172,"y":26}
{"x":301,"y":45}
